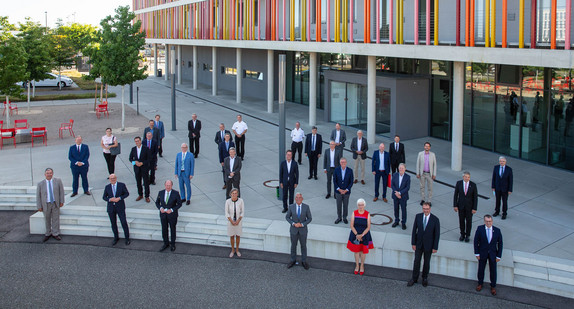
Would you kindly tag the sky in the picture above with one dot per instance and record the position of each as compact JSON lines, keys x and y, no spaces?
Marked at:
{"x":80,"y":11}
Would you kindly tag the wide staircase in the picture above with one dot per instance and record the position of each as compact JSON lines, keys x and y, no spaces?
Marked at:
{"x":21,"y":197}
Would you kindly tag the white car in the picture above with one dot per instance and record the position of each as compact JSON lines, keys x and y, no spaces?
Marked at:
{"x":54,"y":81}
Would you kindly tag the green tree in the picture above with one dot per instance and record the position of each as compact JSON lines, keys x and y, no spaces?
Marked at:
{"x":117,"y":59}
{"x":78,"y":35}
{"x":62,"y":53}
{"x":12,"y":69}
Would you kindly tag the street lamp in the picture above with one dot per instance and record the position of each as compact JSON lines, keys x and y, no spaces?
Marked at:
{"x":46,"y":29}
{"x":172,"y":70}
{"x":281,"y":111}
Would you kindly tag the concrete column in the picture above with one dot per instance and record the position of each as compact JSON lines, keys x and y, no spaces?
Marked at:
{"x":270,"y":79}
{"x":179,"y":64}
{"x":154,"y":59}
{"x":312,"y":89}
{"x":214,"y":71}
{"x":195,"y":65}
{"x":166,"y":71}
{"x":239,"y":76}
{"x":371,"y":100}
{"x":457,"y":116}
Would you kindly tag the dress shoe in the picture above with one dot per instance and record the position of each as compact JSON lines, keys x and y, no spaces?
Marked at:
{"x":495,"y":214}
{"x":300,"y":163}
{"x":57,"y":237}
{"x":284,"y":210}
{"x":291,"y":264}
{"x":224,"y":187}
{"x":493,"y":291}
{"x":188,"y":202}
{"x":356,"y":272}
{"x":315,"y":177}
{"x":128,"y":242}
{"x":362,"y":182}
{"x":411,"y":282}
{"x":355,"y":181}
{"x":375,"y":199}
{"x":172,"y":248}
{"x":385,"y":200}
{"x":45,"y":238}
{"x":503,"y":217}
{"x":73,"y":194}
{"x":139,"y":198}
{"x":147,"y":199}
{"x":306,"y":265}
{"x":479,"y":288}
{"x":161,"y":156}
{"x":309,"y":177}
{"x":163,"y":248}
{"x":467,"y":239}
{"x":461,"y":238}
{"x":156,"y":170}
{"x":115,"y":241}
{"x":404,"y":226}
{"x":152,"y":183}
{"x":328,"y":196}
{"x":88,"y":193}
{"x":337,"y":221}
{"x":425,"y":283}
{"x":345,"y":221}
{"x":422,"y":202}
{"x":395,"y":224}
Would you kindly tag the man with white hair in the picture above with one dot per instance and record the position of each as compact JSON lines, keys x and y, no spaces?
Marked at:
{"x":298,"y":216}
{"x":184,"y":165}
{"x":359,"y":147}
{"x":501,"y":186}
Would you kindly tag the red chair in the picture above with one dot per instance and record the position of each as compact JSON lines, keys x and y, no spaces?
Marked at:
{"x":67,"y":126}
{"x":7,"y":134}
{"x":20,"y":124}
{"x":11,"y":106}
{"x":40,"y":132}
{"x":1,"y":124}
{"x":102,"y":109}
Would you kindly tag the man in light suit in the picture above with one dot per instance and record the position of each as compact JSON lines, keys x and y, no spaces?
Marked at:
{"x":381,"y":169}
{"x":49,"y":198}
{"x":487,"y":247}
{"x":232,"y":169}
{"x":220,"y":135}
{"x":184,"y":167}
{"x":424,"y":239}
{"x":331,"y":160}
{"x":397,"y":153}
{"x":114,"y":194}
{"x":502,"y":180}
{"x":155,"y":133}
{"x":298,"y":216}
{"x":359,"y":147}
{"x":224,"y":147}
{"x":79,"y":154}
{"x":194,"y":128}
{"x":400,"y":186}
{"x":343,"y":181}
{"x":288,"y":178}
{"x":140,"y":159}
{"x":158,"y":124}
{"x":426,"y":172}
{"x":313,"y":149}
{"x":168,"y":202}
{"x":465,"y":203}
{"x":339,"y":137}
{"x":152,"y":146}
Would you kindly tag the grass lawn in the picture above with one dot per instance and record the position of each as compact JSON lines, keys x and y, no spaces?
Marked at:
{"x":70,"y":96}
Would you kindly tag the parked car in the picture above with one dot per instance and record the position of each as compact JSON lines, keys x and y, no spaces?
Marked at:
{"x":53,"y":81}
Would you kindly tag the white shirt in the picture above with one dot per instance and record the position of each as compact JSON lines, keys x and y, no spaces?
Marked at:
{"x":425,"y":217}
{"x":332,"y":153}
{"x":400,"y":179}
{"x":288,"y":168}
{"x":183,"y":154}
{"x":138,"y":151}
{"x":381,"y":161}
{"x":313,"y":142}
{"x":297,"y":135}
{"x":239,"y":127}
{"x":165,"y":198}
{"x":337,"y":136}
{"x":231,"y":163}
{"x":359,"y":142}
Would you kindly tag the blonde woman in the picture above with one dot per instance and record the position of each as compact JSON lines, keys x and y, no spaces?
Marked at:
{"x":360,"y":240}
{"x":234,"y":211}
{"x":109,"y":141}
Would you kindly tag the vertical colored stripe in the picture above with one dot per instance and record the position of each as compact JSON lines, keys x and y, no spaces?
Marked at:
{"x":428,"y":21}
{"x":467,"y":23}
{"x":553,"y":25}
{"x":436,"y":22}
{"x":457,"y":41}
{"x":533,"y":20}
{"x":344,"y":20}
{"x":292,"y":21}
{"x":328,"y":21}
{"x":337,"y":19}
{"x":416,"y":21}
{"x":366,"y":34}
{"x":391,"y":21}
{"x":285,"y":20}
{"x":493,"y":24}
{"x":486,"y":23}
{"x":309,"y":20}
{"x":472,"y":15}
{"x":568,"y":26}
{"x":378,"y":23}
{"x":318,"y":21}
{"x":303,"y":20}
{"x":504,"y":22}
{"x":352,"y":21}
{"x":521,"y":24}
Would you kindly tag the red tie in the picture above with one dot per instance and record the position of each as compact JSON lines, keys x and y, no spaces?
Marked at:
{"x":149,"y":144}
{"x":465,"y":187}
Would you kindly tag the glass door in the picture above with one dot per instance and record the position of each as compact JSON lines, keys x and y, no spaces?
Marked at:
{"x":339,"y":102}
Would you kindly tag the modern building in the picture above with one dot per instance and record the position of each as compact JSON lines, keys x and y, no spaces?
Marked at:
{"x":490,"y":74}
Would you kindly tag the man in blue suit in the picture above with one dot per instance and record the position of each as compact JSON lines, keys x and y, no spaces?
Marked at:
{"x":288,"y":178}
{"x":501,"y":186}
{"x":154,"y":132}
{"x":223,"y":147}
{"x":168,"y":202}
{"x":78,"y":156}
{"x":343,"y":181}
{"x":381,"y":169}
{"x":159,"y":125}
{"x":487,"y":247}
{"x":400,"y":186}
{"x":115,"y":193}
{"x":152,"y":146}
{"x":184,"y":165}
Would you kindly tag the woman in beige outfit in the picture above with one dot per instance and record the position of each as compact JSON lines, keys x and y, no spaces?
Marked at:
{"x":234,"y":210}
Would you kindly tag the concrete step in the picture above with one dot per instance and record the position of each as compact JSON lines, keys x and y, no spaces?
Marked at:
{"x":25,"y":190}
{"x":17,"y":206}
{"x":532,"y":271}
{"x":544,"y":286}
{"x":18,"y":198}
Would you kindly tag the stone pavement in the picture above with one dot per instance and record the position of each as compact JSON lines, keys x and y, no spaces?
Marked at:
{"x":541,"y":199}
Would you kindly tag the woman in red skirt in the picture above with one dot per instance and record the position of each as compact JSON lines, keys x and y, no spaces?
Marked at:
{"x":360,"y":240}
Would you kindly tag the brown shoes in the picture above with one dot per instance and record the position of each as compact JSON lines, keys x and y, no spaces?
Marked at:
{"x":73,"y":194}
{"x":57,"y":237}
{"x":147,"y":199}
{"x":375,"y":199}
{"x":362,"y":182}
{"x":385,"y":200}
{"x":355,"y":181}
{"x":493,"y":291}
{"x":139,"y":198}
{"x":87,"y":193}
{"x":45,"y":238}
{"x":479,"y":288}
{"x":224,"y":187}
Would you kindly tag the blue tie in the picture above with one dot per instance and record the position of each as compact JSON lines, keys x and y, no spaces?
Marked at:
{"x":50,"y":192}
{"x":299,"y":211}
{"x":501,"y":171}
{"x":313,"y":149}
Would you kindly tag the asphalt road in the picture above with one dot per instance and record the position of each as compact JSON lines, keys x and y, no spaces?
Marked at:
{"x":35,"y":275}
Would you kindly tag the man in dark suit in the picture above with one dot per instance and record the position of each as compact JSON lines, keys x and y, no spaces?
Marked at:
{"x":194,"y":128}
{"x":140,"y":159}
{"x":158,"y":124}
{"x":343,"y":181}
{"x":313,"y":149}
{"x":288,"y":178}
{"x":232,"y":171}
{"x":154,"y":131}
{"x":168,"y":202}
{"x":465,"y":203}
{"x":79,"y":154}
{"x":424,"y":239}
{"x":331,"y":160}
{"x":487,"y":247}
{"x":298,"y":216}
{"x":397,"y":154}
{"x":501,"y":186}
{"x":339,"y":137}
{"x":220,"y":135}
{"x":400,"y":186}
{"x":359,"y":147}
{"x":151,"y":145}
{"x":381,"y":169}
{"x":114,"y":194}
{"x":224,"y":147}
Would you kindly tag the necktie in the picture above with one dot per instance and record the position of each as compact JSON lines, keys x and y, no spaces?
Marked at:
{"x":78,"y":148}
{"x":465,"y":187}
{"x":489,"y":234}
{"x":313,"y":148}
{"x":222,"y":136}
{"x":227,"y":146}
{"x":167,"y":197}
{"x":501,"y":171}
{"x":234,"y":212}
{"x":50,"y":192}
{"x":299,"y":211}
{"x":397,"y":147}
{"x":156,"y":124}
{"x":425,"y":223}
{"x":149,"y":144}
{"x":114,"y":190}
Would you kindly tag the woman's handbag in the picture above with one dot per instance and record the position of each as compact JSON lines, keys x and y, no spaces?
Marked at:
{"x":114,"y":151}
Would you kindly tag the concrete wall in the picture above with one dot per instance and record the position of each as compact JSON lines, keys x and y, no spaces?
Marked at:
{"x":412,"y":103}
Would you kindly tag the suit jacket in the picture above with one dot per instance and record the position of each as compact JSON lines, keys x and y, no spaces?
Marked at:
{"x":161,"y":128}
{"x":188,"y":164}
{"x":327,"y":158}
{"x":194,"y":129}
{"x":218,"y":139}
{"x":426,"y":239}
{"x":224,"y":151}
{"x":403,"y":189}
{"x":145,"y":157}
{"x":318,"y":143}
{"x":305,"y":219}
{"x":236,"y":168}
{"x":377,"y":161}
{"x":463,"y":201}
{"x":343,"y":183}
{"x":153,"y":150}
{"x":342,"y":136}
{"x":397,"y":156}
{"x":121,"y":192}
{"x":364,"y":148}
{"x":82,"y":156}
{"x":503,"y":183}
{"x":155,"y":134}
{"x":421,"y":163}
{"x":485,"y":249}
{"x":289,"y":177}
{"x":42,"y":193}
{"x":173,"y":203}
